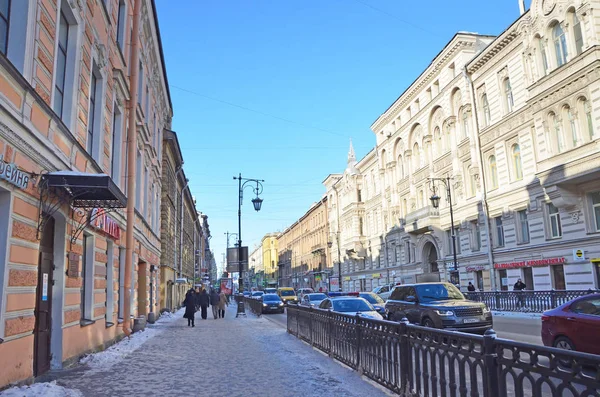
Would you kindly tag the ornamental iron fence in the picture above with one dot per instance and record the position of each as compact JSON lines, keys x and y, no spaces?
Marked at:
{"x":255,"y":305}
{"x":526,"y":301}
{"x":415,"y":361}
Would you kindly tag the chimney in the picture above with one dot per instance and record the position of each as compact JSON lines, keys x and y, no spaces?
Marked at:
{"x":522,"y":6}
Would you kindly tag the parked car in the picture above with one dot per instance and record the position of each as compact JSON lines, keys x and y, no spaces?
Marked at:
{"x":247,"y":294}
{"x":375,"y":300}
{"x":574,"y":325}
{"x":287,"y":295}
{"x":272,"y":304}
{"x":438,"y":305}
{"x":384,"y":291}
{"x":270,"y":290}
{"x":257,"y":294}
{"x":351,"y":306}
{"x":313,"y":300}
{"x":304,"y":291}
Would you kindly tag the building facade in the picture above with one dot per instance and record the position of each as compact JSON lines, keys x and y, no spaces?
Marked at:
{"x":302,"y":250}
{"x":64,"y":91}
{"x":270,"y":260}
{"x":512,"y":121}
{"x":256,"y":267}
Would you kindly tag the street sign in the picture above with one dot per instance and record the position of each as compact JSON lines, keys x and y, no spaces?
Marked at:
{"x":233,"y":265}
{"x":578,"y":255}
{"x":334,"y":284}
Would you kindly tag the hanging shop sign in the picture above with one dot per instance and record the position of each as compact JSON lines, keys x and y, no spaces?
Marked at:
{"x":530,"y":263}
{"x":578,"y":255}
{"x":12,"y":174}
{"x":105,"y":223}
{"x":475,"y":268}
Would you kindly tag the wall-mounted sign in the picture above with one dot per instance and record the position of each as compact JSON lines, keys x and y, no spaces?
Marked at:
{"x":45,"y":287}
{"x":73,"y":268}
{"x":12,"y":174}
{"x":578,"y":255}
{"x":377,"y":275}
{"x":105,"y":223}
{"x":475,"y":268}
{"x":531,"y":263}
{"x":347,"y":278}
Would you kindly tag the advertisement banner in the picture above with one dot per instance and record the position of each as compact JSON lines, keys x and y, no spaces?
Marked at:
{"x":226,"y":286}
{"x":334,"y":284}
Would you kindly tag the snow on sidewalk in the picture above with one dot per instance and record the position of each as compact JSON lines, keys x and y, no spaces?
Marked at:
{"x":100,"y":361}
{"x":517,"y":314}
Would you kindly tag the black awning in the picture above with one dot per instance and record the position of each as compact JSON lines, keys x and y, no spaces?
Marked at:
{"x":87,"y":190}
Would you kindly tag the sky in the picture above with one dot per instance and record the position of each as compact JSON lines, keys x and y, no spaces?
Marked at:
{"x":275,"y":90}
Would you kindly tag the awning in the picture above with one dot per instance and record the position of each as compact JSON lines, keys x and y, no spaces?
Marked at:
{"x":87,"y":190}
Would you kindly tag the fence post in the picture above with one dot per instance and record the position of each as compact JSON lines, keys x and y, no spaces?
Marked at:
{"x":497,"y":296}
{"x":297,"y":322}
{"x":330,"y":329}
{"x":553,"y":298}
{"x":490,"y":359}
{"x":405,"y":359}
{"x":358,"y":345}
{"x":310,"y":326}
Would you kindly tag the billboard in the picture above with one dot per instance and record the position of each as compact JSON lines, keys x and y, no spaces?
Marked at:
{"x":334,"y":284}
{"x":227,"y":286}
{"x":233,"y":265}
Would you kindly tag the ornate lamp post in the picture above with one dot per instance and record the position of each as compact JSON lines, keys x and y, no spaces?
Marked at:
{"x":435,"y":202}
{"x":339,"y":261}
{"x":257,"y":203}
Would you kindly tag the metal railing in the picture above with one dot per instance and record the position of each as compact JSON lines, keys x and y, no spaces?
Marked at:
{"x":255,"y":305}
{"x":526,"y":301}
{"x":416,"y":361}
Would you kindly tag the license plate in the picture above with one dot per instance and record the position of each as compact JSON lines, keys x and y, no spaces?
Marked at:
{"x":470,"y":320}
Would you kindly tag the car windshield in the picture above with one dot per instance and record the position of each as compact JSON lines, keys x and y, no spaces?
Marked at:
{"x":352,"y":305}
{"x":258,"y":293}
{"x":270,"y":291}
{"x":438,"y":292}
{"x":271,"y":298}
{"x":372,"y":298}
{"x":287,"y":293}
{"x":317,"y":297}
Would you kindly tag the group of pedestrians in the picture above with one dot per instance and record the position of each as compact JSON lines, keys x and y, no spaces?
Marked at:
{"x":200,"y":299}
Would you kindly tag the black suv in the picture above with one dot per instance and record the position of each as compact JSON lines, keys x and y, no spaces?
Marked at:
{"x":437,"y":305}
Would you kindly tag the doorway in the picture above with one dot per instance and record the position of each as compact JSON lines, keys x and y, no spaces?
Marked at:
{"x":528,"y":277}
{"x":558,"y":275}
{"x":431,"y":258}
{"x":43,"y":306}
{"x":142,"y":289}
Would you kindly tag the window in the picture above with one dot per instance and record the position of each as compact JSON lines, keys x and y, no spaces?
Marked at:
{"x":147,"y":104}
{"x":595,"y":198}
{"x":408,"y":253}
{"x":544,"y":57}
{"x":121,"y":22}
{"x":572,"y":125}
{"x":115,"y":157}
{"x":437,"y":137}
{"x":554,"y":218}
{"x":523,"y":227}
{"x":416,"y":157}
{"x":4,"y":24}
{"x":472,"y":184}
{"x":588,"y":117}
{"x":587,"y":306}
{"x":145,"y":207}
{"x":87,"y":275}
{"x":517,"y":165}
{"x":450,"y":241}
{"x":478,"y":276}
{"x":508,"y":95}
{"x":560,"y":44}
{"x":558,"y":138}
{"x":493,"y":172}
{"x":578,"y":36}
{"x":499,"y":231}
{"x":110,"y":282}
{"x":360,"y":227}
{"x":140,"y":83}
{"x":400,"y":167}
{"x":138,"y":182}
{"x":61,"y":64}
{"x":476,"y":232}
{"x":487,"y":116}
{"x":94,"y":126}
{"x":558,"y":277}
{"x":121,"y":282}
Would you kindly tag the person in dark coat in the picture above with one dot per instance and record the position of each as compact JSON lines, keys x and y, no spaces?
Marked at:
{"x":203,"y":300}
{"x":520,"y":286}
{"x":197,"y":296}
{"x":190,"y":307}
{"x":471,"y":287}
{"x":214,"y":303}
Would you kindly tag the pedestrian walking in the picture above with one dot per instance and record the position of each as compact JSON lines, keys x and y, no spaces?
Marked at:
{"x":471,"y":287}
{"x":215,"y":299}
{"x":190,"y":307}
{"x":223,"y":302}
{"x":519,"y":287}
{"x":203,"y":301}
{"x":197,"y":296}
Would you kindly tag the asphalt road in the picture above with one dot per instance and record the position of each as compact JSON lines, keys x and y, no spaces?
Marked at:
{"x":521,"y":329}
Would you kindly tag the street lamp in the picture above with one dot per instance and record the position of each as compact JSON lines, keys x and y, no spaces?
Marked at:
{"x":257,"y":203}
{"x":329,"y":245}
{"x":435,"y":202}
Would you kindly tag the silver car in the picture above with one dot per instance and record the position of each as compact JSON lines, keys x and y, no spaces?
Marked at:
{"x":313,"y":300}
{"x":351,"y":306}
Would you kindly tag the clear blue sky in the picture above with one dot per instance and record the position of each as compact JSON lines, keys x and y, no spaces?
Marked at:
{"x":275,"y":89}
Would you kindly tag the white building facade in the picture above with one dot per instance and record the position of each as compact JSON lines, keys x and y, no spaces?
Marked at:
{"x":513,"y":122}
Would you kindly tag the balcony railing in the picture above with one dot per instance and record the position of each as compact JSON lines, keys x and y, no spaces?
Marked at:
{"x":422,"y":214}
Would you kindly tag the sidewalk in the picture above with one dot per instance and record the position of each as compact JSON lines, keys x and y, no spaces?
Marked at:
{"x":234,"y":357}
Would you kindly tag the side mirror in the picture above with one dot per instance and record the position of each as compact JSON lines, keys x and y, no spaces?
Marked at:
{"x":411,"y":298}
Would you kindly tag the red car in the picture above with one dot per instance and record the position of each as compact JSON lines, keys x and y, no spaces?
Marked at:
{"x":574,"y":325}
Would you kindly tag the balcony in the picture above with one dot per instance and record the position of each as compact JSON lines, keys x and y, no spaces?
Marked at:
{"x":422,"y":220}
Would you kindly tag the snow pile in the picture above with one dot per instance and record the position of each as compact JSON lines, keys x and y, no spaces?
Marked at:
{"x":516,"y":314}
{"x":49,"y":389}
{"x":106,"y":359}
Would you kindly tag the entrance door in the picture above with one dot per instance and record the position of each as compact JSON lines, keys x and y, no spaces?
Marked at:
{"x":43,"y":307}
{"x":558,"y":273}
{"x":528,"y":277}
{"x":142,"y":290}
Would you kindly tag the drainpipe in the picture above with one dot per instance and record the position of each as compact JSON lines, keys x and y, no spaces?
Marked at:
{"x":181,"y":229}
{"x":131,"y":164}
{"x":484,"y":203}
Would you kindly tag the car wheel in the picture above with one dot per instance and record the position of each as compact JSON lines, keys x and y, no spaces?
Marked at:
{"x":428,"y":323}
{"x":562,"y":342}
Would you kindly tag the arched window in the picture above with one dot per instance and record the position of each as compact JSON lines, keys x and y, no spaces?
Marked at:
{"x":577,"y":34}
{"x":416,"y":155}
{"x":465,"y":124}
{"x":560,"y":44}
{"x":486,"y":110}
{"x":400,"y":167}
{"x":517,"y":165}
{"x":437,"y":137}
{"x":558,"y":138}
{"x":493,"y":172}
{"x":427,"y":152}
{"x":570,"y":116}
{"x":587,"y":126}
{"x":544,"y":56}
{"x":508,"y":95}
{"x":447,"y":140}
